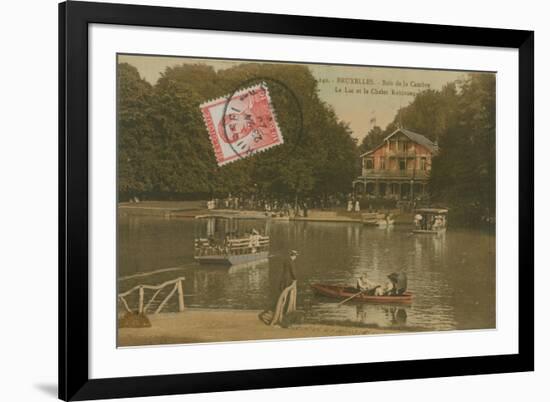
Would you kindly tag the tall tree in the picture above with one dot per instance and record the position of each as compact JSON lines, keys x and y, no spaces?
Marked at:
{"x":374,"y":137}
{"x":431,"y":113}
{"x":135,"y":144}
{"x":319,"y":154}
{"x":464,"y":173}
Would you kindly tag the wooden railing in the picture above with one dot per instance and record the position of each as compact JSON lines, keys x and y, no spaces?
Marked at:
{"x":371,"y":174}
{"x":232,"y":246}
{"x":142,"y":307}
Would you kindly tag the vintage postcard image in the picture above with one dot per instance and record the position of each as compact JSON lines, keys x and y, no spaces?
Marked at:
{"x":276,"y":200}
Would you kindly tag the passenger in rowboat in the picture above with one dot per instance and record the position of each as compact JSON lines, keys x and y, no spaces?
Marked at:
{"x":365,"y":285}
{"x":396,"y":285}
{"x":385,"y":290}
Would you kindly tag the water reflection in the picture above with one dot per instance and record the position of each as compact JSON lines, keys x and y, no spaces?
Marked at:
{"x":452,"y":276}
{"x":390,"y":315}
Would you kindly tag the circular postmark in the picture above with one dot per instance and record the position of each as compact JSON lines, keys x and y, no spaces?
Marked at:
{"x":238,"y":117}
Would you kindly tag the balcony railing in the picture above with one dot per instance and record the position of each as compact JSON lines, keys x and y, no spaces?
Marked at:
{"x":387,"y":173}
{"x":409,"y":153}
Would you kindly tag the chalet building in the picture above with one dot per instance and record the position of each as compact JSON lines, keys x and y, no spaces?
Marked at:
{"x":398,"y":168}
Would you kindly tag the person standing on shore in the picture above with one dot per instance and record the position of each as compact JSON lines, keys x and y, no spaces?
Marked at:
{"x":288,"y":275}
{"x":285,"y":303}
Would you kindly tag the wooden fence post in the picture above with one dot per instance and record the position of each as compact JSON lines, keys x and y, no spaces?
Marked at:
{"x":125,"y":304}
{"x":142,"y":307}
{"x":166,"y":299}
{"x":151,"y":301}
{"x":180,"y":295}
{"x":141,"y":294}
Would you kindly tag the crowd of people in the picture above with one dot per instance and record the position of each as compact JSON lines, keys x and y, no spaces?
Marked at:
{"x":298,"y":207}
{"x":276,"y":207}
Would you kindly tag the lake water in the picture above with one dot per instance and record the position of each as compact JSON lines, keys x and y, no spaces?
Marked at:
{"x":452,"y":275}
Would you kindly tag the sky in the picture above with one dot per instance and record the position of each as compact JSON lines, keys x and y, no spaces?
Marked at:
{"x":362,"y":96}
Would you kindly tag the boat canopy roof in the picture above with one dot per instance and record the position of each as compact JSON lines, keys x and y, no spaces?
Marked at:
{"x":432,"y":211}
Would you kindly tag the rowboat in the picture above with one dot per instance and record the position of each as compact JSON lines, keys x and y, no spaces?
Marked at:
{"x":343,"y":292}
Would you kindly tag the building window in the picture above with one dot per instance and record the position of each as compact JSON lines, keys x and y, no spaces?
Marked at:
{"x":382,"y":163}
{"x":370,"y":163}
{"x":370,"y":188}
{"x":422,"y":163}
{"x":402,"y":164}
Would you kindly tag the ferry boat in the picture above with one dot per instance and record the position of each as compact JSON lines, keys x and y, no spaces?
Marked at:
{"x":225,"y":242}
{"x":430,"y":221}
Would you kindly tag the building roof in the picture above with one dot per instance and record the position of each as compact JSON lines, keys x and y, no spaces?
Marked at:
{"x":418,"y":138}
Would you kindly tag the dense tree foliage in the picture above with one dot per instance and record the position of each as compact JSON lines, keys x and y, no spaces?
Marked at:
{"x":464,"y":173}
{"x":461,"y":119}
{"x":165,"y":152}
{"x":374,"y":137}
{"x":134,"y":132}
{"x":432,"y":113}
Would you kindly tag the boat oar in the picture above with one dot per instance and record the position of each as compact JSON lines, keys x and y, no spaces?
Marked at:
{"x":351,"y":297}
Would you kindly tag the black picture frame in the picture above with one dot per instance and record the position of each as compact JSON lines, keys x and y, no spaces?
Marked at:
{"x":74,"y":19}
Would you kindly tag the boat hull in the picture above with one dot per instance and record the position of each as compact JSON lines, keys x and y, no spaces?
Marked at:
{"x":231,"y":259}
{"x":343,"y":292}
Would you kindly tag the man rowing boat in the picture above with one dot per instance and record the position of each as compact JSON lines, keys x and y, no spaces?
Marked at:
{"x":364,"y":285}
{"x":399,"y":283}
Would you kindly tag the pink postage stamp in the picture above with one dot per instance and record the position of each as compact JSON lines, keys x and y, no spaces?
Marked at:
{"x":243,"y":125}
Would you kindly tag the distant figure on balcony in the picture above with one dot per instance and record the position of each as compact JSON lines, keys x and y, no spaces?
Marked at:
{"x":350,"y":205}
{"x":357,"y":206}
